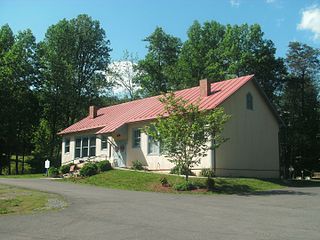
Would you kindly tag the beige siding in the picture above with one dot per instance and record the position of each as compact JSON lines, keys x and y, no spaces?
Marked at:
{"x":252,"y":149}
{"x":101,"y":154}
{"x":153,"y":162}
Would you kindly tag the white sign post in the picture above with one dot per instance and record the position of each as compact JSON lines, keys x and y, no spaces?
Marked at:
{"x":47,"y":166}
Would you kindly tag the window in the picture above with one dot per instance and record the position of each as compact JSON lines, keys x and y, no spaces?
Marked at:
{"x":153,"y":146}
{"x":92,"y":146}
{"x":136,"y":138}
{"x":78,"y":148}
{"x":66,"y":145}
{"x":85,"y":147}
{"x":249,"y":101}
{"x":104,"y":142}
{"x":85,"y":144}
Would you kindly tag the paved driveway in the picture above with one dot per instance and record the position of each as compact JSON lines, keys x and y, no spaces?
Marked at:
{"x":98,"y":213}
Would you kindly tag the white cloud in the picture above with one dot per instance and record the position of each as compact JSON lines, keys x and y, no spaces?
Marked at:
{"x":270,"y":1}
{"x":311,"y":21}
{"x":235,"y":3}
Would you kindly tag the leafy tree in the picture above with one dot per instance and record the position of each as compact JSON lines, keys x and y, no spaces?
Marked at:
{"x":19,"y":104}
{"x":218,"y":52}
{"x":184,"y":131}
{"x":199,"y":57}
{"x":300,"y":106}
{"x":122,"y":74}
{"x":158,"y":69}
{"x":73,"y":57}
{"x":6,"y":42}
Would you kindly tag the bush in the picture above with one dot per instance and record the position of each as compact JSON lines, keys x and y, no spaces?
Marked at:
{"x":210,"y":183}
{"x":104,"y":166}
{"x":137,"y":165}
{"x":89,"y":169}
{"x":207,"y":172}
{"x":184,"y":186}
{"x":53,"y":172}
{"x":65,"y":169}
{"x":184,"y":171}
{"x":164,"y":181}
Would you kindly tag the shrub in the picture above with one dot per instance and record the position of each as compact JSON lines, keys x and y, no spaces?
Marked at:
{"x":65,"y":169}
{"x":210,"y":183}
{"x":164,"y":181}
{"x":104,"y":166}
{"x":184,"y":170}
{"x":53,"y":172}
{"x":184,"y":186}
{"x":207,"y":172}
{"x":137,"y":165}
{"x":89,"y":169}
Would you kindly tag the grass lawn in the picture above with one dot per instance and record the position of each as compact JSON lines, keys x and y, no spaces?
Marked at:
{"x":145,"y":181}
{"x":37,"y":175}
{"x":20,"y":200}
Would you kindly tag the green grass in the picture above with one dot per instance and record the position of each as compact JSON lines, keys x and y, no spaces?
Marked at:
{"x":145,"y":181}
{"x":19,"y":200}
{"x":36,"y":175}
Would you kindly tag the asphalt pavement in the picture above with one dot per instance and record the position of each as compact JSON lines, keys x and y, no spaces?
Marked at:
{"x":99,"y":213}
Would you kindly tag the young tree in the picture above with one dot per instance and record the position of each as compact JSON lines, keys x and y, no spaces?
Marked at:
{"x":158,"y":69}
{"x":186,"y":133}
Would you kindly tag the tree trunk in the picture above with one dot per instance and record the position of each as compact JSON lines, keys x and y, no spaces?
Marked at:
{"x":17,"y":164}
{"x":9,"y":164}
{"x":1,"y":163}
{"x":22,"y":165}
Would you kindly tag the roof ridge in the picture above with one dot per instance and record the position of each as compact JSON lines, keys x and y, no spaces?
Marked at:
{"x":112,"y":117}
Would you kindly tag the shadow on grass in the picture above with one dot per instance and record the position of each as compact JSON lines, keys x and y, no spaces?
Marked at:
{"x":224,"y":187}
{"x":295,"y":183}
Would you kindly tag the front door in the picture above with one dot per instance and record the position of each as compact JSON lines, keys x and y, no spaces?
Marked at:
{"x":120,"y":153}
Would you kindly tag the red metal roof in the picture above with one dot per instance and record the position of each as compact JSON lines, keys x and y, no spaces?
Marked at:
{"x":110,"y":118}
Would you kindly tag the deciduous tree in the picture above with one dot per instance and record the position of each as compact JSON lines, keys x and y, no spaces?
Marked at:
{"x":186,"y":133}
{"x":158,"y":69}
{"x":73,"y":58}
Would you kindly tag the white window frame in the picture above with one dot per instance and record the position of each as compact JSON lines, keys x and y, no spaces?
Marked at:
{"x":66,"y":140}
{"x":151,"y":141}
{"x":106,"y":141}
{"x":134,"y":145}
{"x":88,"y":147}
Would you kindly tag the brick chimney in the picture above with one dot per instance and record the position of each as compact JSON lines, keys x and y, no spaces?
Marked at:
{"x":93,"y":111}
{"x":205,"y":88}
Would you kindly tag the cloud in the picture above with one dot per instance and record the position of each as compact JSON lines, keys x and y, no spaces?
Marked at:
{"x":235,"y":3}
{"x":311,"y":21}
{"x":270,"y":1}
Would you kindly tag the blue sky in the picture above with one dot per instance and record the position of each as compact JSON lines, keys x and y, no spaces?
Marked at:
{"x":127,"y":22}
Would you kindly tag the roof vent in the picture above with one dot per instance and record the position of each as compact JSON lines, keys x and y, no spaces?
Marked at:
{"x":93,"y":111}
{"x":205,"y":88}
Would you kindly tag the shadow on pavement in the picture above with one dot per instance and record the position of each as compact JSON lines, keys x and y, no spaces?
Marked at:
{"x":279,"y":192}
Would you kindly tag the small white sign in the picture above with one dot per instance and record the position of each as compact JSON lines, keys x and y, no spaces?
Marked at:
{"x":47,"y":164}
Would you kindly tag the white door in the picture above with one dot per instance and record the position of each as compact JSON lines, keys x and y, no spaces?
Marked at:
{"x":120,"y":154}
